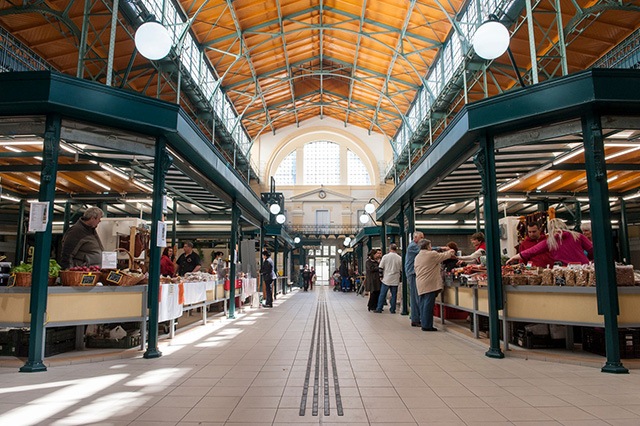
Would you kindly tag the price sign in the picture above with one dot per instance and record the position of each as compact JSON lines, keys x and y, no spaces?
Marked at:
{"x":114,"y":277}
{"x":87,"y":279}
{"x":12,"y":281}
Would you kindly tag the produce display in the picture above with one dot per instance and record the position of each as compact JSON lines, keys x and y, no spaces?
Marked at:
{"x":191,"y":277}
{"x":87,"y":269}
{"x":518,"y":275}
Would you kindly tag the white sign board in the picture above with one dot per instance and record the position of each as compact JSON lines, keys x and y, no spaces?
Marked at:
{"x":162,"y":234}
{"x":38,"y":216}
{"x":109,"y":260}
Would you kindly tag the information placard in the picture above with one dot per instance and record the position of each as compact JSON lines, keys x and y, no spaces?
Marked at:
{"x":88,"y":279}
{"x":38,"y":216}
{"x":114,"y":277}
{"x":109,"y":259}
{"x":162,"y":234}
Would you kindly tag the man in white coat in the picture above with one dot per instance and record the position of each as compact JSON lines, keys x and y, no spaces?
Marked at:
{"x":391,"y":273}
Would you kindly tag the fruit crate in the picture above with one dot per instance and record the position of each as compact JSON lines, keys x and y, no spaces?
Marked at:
{"x":56,"y":341}
{"x":629,"y":338}
{"x":124,"y":343}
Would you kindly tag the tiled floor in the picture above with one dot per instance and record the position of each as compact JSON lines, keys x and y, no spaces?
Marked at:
{"x":252,"y":370}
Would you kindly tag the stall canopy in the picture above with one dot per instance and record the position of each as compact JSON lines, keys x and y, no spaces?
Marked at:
{"x":107,"y":151}
{"x":539,"y":150}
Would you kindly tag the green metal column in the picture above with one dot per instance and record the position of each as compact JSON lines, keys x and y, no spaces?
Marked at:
{"x":369,"y":246}
{"x":578,"y":216}
{"x":403,"y":250}
{"x":235,"y":219}
{"x":20,"y":235}
{"x":263,"y":231}
{"x":485,"y":162}
{"x":301,"y":261}
{"x":67,"y":216}
{"x":285,"y":269}
{"x":275,"y":267}
{"x":606,"y":288}
{"x":161,"y":165}
{"x":174,"y":229}
{"x":478,"y":225}
{"x":40,"y":275}
{"x":625,"y":252}
{"x":383,"y":238}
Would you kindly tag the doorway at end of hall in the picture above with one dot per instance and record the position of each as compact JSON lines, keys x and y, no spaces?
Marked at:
{"x":323,"y":266}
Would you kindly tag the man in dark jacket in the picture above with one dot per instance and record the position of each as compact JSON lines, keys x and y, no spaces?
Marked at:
{"x":266,"y":273}
{"x":81,"y":245}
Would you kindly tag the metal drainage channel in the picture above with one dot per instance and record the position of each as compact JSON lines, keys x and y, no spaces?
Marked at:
{"x":322,"y":346}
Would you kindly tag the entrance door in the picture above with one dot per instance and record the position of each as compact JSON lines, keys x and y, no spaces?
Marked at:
{"x":322,"y":271}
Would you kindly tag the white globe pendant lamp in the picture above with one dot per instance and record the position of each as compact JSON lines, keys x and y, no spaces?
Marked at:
{"x":364,"y":218}
{"x":274,"y":208}
{"x":369,"y":208}
{"x":153,"y":41}
{"x":491,"y":40}
{"x":280,"y":219}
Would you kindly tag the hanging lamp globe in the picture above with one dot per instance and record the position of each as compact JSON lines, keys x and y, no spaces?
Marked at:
{"x":296,"y":240}
{"x":280,"y":219}
{"x":369,"y":208}
{"x":364,"y":218}
{"x":153,"y":41}
{"x":491,"y":40}
{"x":274,"y":208}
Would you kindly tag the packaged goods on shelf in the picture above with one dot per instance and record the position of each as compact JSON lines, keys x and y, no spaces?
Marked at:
{"x":624,"y":275}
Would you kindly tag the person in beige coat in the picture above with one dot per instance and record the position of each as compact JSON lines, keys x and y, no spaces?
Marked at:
{"x":429,"y":281}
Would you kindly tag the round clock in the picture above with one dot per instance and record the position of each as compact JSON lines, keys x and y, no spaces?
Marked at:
{"x":322,"y":194}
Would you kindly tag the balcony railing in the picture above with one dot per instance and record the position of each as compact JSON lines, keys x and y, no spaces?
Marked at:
{"x":324,"y":230}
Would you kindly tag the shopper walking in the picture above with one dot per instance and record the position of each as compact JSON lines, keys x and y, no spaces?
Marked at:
{"x":266,"y":273}
{"x":306,"y":277}
{"x":372,"y":278}
{"x":412,"y":251}
{"x":391,"y":273}
{"x":345,"y":281}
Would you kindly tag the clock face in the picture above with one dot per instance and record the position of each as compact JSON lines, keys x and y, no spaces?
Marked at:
{"x":322,"y":194}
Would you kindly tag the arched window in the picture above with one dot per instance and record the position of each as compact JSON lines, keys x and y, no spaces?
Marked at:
{"x":356,"y":171}
{"x":286,"y":173}
{"x":321,"y":163}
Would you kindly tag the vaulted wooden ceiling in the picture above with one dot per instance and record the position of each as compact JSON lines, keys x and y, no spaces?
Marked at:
{"x":284,"y":61}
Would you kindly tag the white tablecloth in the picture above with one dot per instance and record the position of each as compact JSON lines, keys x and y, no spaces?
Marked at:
{"x":249,"y":285}
{"x":169,"y":307}
{"x":195,"y":292}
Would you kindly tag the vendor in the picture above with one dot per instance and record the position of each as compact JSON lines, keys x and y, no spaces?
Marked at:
{"x":189,"y":261}
{"x":534,"y":236}
{"x":585,"y":227}
{"x":81,"y":245}
{"x":480,"y":247}
{"x":564,"y":246}
{"x":167,"y":267}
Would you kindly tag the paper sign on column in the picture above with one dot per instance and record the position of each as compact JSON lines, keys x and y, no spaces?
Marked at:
{"x":38,"y":216}
{"x":162,"y":234}
{"x":109,"y":260}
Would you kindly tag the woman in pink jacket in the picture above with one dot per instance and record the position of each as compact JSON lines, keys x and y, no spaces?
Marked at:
{"x":564,"y":246}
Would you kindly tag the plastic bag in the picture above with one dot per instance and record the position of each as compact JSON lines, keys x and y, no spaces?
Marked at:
{"x":117,"y":333}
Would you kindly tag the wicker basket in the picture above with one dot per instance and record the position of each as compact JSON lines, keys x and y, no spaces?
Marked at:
{"x":125,"y":281}
{"x":74,"y":278}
